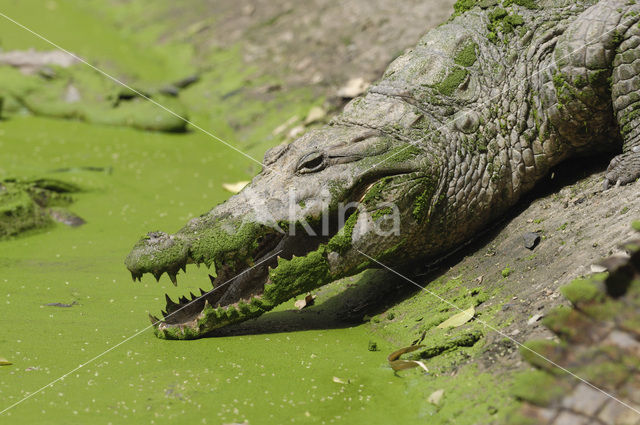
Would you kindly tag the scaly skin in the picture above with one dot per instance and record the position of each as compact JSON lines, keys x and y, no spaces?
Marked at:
{"x":455,"y":132}
{"x":27,"y":205}
{"x":598,"y":340}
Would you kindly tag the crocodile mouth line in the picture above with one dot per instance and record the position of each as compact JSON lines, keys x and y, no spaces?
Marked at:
{"x":233,"y":290}
{"x":238,"y":287}
{"x":188,"y":309}
{"x":228,"y":288}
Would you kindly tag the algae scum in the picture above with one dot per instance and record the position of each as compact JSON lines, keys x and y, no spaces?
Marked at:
{"x":71,"y":134}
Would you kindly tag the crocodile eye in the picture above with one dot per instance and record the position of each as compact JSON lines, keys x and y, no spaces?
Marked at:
{"x":311,"y":163}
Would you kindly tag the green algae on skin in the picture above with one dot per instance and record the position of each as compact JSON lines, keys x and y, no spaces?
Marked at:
{"x":28,"y":204}
{"x":467,"y":55}
{"x":341,"y":241}
{"x":298,"y":275}
{"x":452,"y":81}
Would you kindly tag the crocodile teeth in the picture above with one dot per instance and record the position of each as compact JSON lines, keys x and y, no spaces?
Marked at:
{"x":170,"y":302}
{"x":212,"y":279}
{"x":157,"y":275}
{"x":193,"y":296}
{"x":184,"y":268}
{"x":183,"y":300}
{"x":153,"y":319}
{"x":173,"y":278}
{"x":202,"y":292}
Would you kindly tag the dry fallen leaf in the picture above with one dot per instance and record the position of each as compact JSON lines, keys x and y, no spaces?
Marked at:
{"x":458,"y":319}
{"x":398,"y":364}
{"x":307,"y":301}
{"x":4,"y":362}
{"x":234,"y":187}
{"x":436,"y":397}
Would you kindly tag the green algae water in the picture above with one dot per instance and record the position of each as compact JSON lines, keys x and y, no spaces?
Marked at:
{"x":157,"y":181}
{"x":268,"y":378}
{"x":133,"y":182}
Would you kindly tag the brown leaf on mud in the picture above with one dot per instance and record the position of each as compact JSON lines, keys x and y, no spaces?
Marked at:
{"x":4,"y":362}
{"x":398,"y":364}
{"x":307,"y":301}
{"x":458,"y":319}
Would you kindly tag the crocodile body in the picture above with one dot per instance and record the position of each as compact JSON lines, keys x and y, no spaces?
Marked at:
{"x":32,"y":204}
{"x":454,"y":133}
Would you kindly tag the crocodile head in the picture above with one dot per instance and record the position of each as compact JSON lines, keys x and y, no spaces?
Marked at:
{"x":298,"y":225}
{"x":373,"y":185}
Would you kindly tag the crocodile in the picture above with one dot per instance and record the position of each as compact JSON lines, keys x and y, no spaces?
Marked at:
{"x":454,"y":133}
{"x":32,"y":204}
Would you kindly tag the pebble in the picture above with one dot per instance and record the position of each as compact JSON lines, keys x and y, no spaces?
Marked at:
{"x":534,"y":319}
{"x":317,"y":113}
{"x":354,"y":88}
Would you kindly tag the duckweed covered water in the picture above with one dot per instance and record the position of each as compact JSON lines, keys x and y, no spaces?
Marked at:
{"x":158,"y":181}
{"x":143,"y":181}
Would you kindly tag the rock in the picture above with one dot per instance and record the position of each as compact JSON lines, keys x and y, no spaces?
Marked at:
{"x":285,"y":125}
{"x":507,"y":306}
{"x":295,"y":132}
{"x":317,"y":113}
{"x":248,"y":10}
{"x":354,"y":88}
{"x":531,"y":240}
{"x":436,"y":397}
{"x":30,"y":61}
{"x":597,"y":268}
{"x":534,"y":319}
